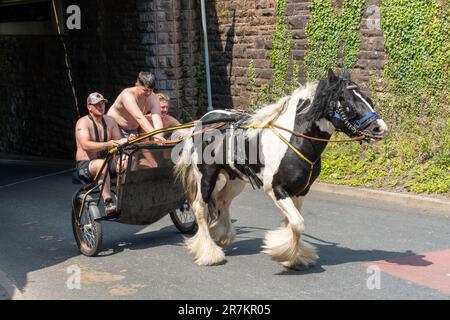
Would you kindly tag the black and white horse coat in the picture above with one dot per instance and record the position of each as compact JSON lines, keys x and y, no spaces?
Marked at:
{"x":284,"y":172}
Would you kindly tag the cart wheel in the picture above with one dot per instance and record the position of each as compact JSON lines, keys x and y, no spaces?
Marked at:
{"x":184,"y":219}
{"x":88,"y":232}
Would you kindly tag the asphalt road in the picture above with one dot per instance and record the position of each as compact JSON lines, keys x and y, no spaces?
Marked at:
{"x":411,"y":247}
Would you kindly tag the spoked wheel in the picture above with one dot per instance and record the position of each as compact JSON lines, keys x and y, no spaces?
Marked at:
{"x":184,"y":219}
{"x":88,"y":232}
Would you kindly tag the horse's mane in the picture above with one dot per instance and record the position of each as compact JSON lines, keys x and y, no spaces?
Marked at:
{"x":268,"y":114}
{"x":265,"y":115}
{"x":324,"y":96}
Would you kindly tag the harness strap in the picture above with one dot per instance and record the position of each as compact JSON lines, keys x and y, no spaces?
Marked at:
{"x":102,"y":154}
{"x":301,"y":155}
{"x":105,"y":129}
{"x":365,"y":121}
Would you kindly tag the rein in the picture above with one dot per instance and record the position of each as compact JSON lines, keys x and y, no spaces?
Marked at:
{"x":204,"y":130}
{"x":299,"y":134}
{"x":312,"y":164}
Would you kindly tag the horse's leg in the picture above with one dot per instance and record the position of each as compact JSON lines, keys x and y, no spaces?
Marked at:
{"x":307,"y":254}
{"x":283,"y":244}
{"x":222,"y":230}
{"x":202,"y":246}
{"x":298,"y":202}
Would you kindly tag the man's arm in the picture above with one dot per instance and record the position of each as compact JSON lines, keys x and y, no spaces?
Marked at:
{"x":155,"y":109}
{"x":130,"y":104}
{"x":115,"y":131}
{"x":84,"y":139}
{"x":172,"y":122}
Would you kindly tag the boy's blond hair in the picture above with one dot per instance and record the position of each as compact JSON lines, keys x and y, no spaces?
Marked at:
{"x":162,"y":96}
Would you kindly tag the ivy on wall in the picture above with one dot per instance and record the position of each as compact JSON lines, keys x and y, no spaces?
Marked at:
{"x":252,"y":81}
{"x":280,"y":51}
{"x":322,"y":32}
{"x":328,"y":31}
{"x":281,"y":48}
{"x":295,"y":83}
{"x":416,"y":155}
{"x":414,"y":103}
{"x":349,"y":25}
{"x":417,"y":43}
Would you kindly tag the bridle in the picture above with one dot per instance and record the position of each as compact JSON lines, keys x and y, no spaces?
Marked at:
{"x":357,"y":127}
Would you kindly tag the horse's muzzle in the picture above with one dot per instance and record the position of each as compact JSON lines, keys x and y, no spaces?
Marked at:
{"x":378,"y":129}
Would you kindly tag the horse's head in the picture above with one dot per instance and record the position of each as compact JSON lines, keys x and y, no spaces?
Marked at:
{"x":351,"y":111}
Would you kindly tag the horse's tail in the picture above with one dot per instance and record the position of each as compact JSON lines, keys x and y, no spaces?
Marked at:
{"x":185,"y":171}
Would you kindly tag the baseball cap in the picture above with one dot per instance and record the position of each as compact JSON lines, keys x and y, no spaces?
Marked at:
{"x":95,"y":98}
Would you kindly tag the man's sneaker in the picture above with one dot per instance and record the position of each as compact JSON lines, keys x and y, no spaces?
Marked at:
{"x":110,"y":207}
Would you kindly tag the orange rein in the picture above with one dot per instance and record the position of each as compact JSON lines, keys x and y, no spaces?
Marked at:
{"x":299,"y":134}
{"x":169,"y":142}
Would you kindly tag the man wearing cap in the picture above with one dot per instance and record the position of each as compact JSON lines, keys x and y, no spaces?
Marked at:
{"x":95,"y":134}
{"x":132,"y":104}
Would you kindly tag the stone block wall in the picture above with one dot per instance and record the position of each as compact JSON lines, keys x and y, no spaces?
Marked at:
{"x":120,"y":38}
{"x":241,"y":31}
{"x":117,"y":40}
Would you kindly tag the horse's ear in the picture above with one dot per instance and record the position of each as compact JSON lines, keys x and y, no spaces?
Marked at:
{"x":346,"y":74}
{"x":332,"y":78}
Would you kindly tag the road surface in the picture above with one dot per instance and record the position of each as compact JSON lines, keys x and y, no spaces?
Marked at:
{"x":368,"y":250}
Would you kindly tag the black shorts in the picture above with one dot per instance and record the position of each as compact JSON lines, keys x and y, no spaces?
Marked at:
{"x":85,"y":175}
{"x":83,"y":171}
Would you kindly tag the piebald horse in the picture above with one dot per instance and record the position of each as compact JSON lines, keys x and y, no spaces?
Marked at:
{"x":290,"y":137}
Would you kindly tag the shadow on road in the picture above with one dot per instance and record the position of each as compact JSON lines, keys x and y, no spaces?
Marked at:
{"x":163,"y":237}
{"x":330,"y":253}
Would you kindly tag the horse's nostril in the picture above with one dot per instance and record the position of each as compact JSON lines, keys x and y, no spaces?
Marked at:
{"x":379,"y":130}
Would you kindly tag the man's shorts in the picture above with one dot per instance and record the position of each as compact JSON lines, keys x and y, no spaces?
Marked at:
{"x":85,"y":175}
{"x":127,"y":133}
{"x":83,"y":171}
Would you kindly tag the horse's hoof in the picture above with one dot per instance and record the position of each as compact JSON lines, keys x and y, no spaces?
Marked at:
{"x":208,"y":261}
{"x":306,"y":258}
{"x":295,"y":267}
{"x":298,"y":266}
{"x":279,"y":245}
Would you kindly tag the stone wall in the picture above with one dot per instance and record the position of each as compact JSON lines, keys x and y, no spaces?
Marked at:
{"x":120,"y":38}
{"x":117,"y":40}
{"x":36,"y":109}
{"x":241,"y":31}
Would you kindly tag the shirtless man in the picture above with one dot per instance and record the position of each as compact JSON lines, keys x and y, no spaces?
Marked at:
{"x":95,"y":134}
{"x":133,"y":103}
{"x":168,"y":120}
